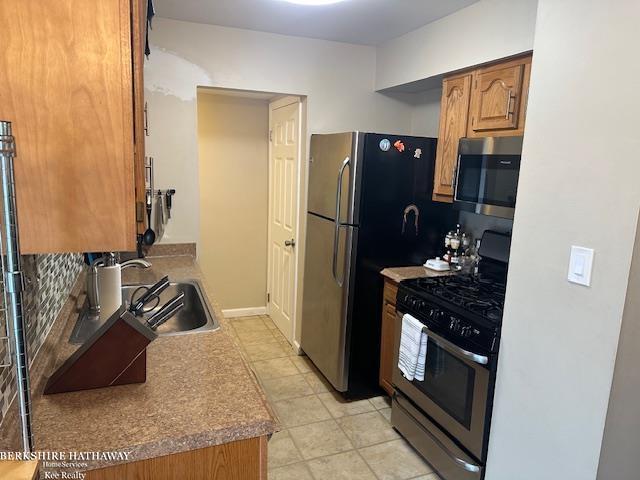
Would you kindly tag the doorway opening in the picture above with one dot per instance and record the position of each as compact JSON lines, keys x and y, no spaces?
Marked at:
{"x":251,"y":146}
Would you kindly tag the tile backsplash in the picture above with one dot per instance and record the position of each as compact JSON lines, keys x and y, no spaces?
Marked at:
{"x":49,"y":279}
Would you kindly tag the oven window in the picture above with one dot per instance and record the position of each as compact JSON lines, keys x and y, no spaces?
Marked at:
{"x":448,"y":382}
{"x":488,"y":179}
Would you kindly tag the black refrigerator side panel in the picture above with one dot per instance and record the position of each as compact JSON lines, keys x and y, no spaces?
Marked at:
{"x":392,"y":181}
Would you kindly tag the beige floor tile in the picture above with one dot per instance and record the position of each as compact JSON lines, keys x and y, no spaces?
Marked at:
{"x":344,"y":466}
{"x":279,"y":336}
{"x":301,"y":411}
{"x":265,"y":351}
{"x":431,"y":476}
{"x":318,"y":382}
{"x":304,"y":364}
{"x":381,"y":402}
{"x":282,"y":451}
{"x":247,"y":323}
{"x":394,"y":460}
{"x":339,"y":407}
{"x":284,"y":388}
{"x":367,"y":429}
{"x":250,"y":336}
{"x":274,"y":368}
{"x":320,"y":439}
{"x":269,"y":323}
{"x":298,"y":471}
{"x":386,"y":413}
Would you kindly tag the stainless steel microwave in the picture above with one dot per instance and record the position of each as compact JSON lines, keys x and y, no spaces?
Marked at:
{"x":487,"y":175}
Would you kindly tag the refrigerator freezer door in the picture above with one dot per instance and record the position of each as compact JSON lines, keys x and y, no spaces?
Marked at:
{"x":334,"y":157}
{"x":325,"y":332}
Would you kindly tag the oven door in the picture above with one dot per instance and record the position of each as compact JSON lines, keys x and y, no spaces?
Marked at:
{"x":487,"y":175}
{"x":455,"y":389}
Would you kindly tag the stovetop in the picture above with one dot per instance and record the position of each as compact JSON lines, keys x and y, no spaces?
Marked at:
{"x":465,"y":309}
{"x":480,"y":295}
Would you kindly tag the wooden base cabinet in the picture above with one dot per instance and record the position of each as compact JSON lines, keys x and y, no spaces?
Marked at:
{"x":387,"y":340}
{"x":67,"y":85}
{"x":485,"y":102}
{"x":241,"y":460}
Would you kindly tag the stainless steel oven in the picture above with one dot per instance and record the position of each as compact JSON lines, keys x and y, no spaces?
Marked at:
{"x":451,"y":402}
{"x":487,"y":175}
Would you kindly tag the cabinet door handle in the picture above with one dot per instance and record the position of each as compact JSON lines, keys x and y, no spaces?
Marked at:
{"x":508,"y":105}
{"x":290,"y":243}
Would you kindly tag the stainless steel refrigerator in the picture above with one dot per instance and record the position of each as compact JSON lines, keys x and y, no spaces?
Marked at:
{"x":369,"y":207}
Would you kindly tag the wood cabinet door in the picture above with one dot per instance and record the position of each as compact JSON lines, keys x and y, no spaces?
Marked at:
{"x":387,"y":346}
{"x":497,"y":98}
{"x":453,"y":126}
{"x":66,"y":86}
{"x":139,"y":24}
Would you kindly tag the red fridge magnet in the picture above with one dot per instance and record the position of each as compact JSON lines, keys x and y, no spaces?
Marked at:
{"x":399,"y":145}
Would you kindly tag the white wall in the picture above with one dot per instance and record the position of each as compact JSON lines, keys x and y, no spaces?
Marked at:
{"x":233,"y":138}
{"x":338,"y":79}
{"x":485,"y":31}
{"x":425,"y":112}
{"x":578,"y":186}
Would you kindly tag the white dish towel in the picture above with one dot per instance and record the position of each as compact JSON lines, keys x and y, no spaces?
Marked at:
{"x":413,"y":349}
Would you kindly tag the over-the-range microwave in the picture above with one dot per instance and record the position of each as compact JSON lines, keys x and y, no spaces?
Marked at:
{"x":486,"y":180}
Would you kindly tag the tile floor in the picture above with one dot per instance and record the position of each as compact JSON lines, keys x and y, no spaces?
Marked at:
{"x":323,"y":436}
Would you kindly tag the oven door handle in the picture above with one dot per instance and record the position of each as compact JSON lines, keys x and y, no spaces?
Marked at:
{"x":474,"y":357}
{"x":469,"y":467}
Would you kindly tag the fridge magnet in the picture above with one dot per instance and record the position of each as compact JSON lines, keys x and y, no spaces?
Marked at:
{"x":418,"y":153}
{"x":385,"y":144}
{"x":399,"y":146}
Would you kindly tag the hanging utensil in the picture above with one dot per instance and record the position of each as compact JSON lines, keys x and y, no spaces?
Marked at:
{"x":149,"y":236}
{"x":168,"y":196}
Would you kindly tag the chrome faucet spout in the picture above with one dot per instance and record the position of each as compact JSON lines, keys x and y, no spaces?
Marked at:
{"x":136,"y":262}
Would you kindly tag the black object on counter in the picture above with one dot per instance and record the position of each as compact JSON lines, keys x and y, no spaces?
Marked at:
{"x":152,"y":293}
{"x":167,"y":311}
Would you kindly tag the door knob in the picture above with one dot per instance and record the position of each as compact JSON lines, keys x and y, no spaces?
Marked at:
{"x":290,"y":243}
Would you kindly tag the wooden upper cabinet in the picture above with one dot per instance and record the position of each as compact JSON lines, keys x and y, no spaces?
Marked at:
{"x":498,"y":99}
{"x":486,"y":102}
{"x":453,"y":126}
{"x":66,"y":84}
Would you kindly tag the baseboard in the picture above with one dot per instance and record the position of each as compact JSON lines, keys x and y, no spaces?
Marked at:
{"x":297,"y":348}
{"x":244,"y":312}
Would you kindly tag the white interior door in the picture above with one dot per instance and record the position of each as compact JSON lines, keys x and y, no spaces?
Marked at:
{"x":284,"y":124}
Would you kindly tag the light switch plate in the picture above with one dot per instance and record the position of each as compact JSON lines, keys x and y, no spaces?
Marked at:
{"x":580,"y":265}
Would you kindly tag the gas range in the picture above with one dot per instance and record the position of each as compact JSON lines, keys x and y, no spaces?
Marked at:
{"x":446,"y":415}
{"x":464,"y":309}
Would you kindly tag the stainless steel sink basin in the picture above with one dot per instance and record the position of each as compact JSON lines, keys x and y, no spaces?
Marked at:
{"x":195,"y":317}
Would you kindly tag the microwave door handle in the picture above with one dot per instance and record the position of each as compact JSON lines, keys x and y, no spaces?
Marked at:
{"x":337,"y":225}
{"x":469,"y":467}
{"x":474,"y":357}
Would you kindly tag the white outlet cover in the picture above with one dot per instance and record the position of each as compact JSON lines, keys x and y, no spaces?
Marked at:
{"x":580,"y":265}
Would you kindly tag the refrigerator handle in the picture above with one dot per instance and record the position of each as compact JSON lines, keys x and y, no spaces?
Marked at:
{"x":337,"y":225}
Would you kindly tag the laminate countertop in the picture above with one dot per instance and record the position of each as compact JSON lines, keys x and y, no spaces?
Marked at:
{"x":398,"y":274}
{"x":199,"y":392}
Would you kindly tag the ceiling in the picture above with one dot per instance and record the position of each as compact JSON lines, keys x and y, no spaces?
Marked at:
{"x":368,"y":22}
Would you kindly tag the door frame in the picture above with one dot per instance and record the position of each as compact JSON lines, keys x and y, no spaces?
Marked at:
{"x":299,"y":231}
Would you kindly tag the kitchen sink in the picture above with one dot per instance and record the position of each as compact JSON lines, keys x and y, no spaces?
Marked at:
{"x":195,"y":317}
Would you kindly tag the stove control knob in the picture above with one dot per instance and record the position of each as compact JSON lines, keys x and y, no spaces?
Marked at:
{"x":454,"y":324}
